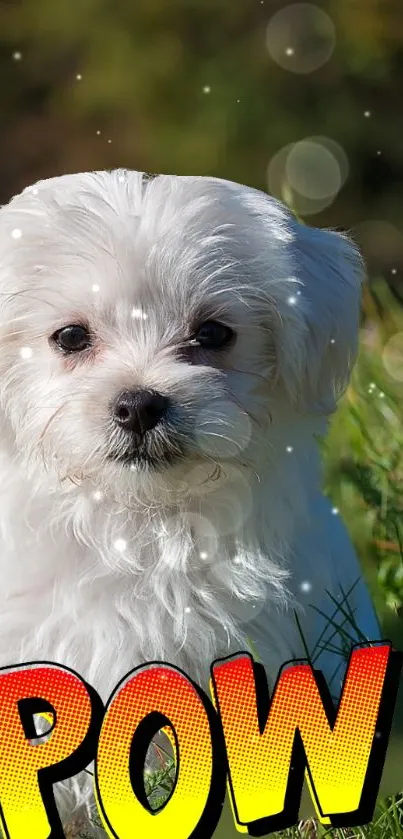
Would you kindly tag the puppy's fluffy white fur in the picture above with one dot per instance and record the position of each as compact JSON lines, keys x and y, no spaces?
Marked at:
{"x":106,"y":565}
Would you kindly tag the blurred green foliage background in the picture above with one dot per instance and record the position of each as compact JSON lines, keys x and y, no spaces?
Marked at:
{"x":303,"y":100}
{"x":191,"y":86}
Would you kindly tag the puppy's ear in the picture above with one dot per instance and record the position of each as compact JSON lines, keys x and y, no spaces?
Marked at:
{"x":319,"y":339}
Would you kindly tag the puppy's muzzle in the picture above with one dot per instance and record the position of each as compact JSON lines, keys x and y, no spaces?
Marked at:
{"x":139,"y":411}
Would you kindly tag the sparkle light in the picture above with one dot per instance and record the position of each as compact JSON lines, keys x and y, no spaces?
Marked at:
{"x":335,"y":511}
{"x":97,"y":495}
{"x":203,"y":555}
{"x":79,"y":77}
{"x":311,"y":32}
{"x":26,"y":352}
{"x":16,"y":233}
{"x":292,"y":300}
{"x":289,"y":449}
{"x":306,"y":586}
{"x":17,"y":55}
{"x":207,"y":88}
{"x":332,"y":341}
{"x":187,"y":610}
{"x":139,"y":313}
{"x":120,"y":545}
{"x":367,"y":114}
{"x":95,"y":288}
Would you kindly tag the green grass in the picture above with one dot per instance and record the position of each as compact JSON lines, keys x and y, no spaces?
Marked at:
{"x":363,"y":457}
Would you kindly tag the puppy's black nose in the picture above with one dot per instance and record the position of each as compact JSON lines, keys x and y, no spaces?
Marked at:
{"x":139,"y":410}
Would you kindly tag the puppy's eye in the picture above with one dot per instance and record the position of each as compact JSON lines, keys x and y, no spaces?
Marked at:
{"x":72,"y":338}
{"x":213,"y":335}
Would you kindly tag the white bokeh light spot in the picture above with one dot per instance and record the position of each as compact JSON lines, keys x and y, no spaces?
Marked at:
{"x":204,"y":536}
{"x":120,"y":545}
{"x":223,"y":431}
{"x":26,"y":352}
{"x":220,"y":516}
{"x":138,"y":314}
{"x":313,"y":170}
{"x":16,"y":233}
{"x":306,"y":586}
{"x":304,"y":32}
{"x":309,"y":173}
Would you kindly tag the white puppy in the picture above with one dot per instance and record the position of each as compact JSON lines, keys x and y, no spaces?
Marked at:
{"x":170,"y":350}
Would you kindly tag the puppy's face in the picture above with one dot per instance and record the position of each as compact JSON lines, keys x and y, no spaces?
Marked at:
{"x":147,"y":326}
